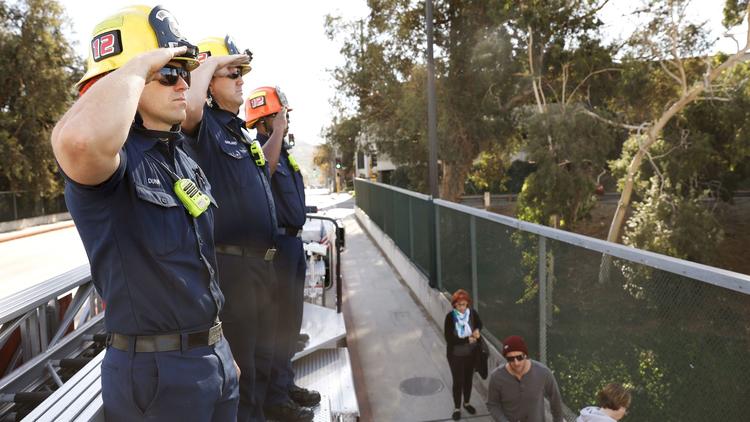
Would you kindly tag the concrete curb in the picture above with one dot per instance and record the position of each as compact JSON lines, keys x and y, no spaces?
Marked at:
{"x":32,"y":231}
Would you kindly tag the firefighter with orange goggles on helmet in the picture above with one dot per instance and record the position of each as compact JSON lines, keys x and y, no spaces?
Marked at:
{"x":245,"y":223}
{"x":261,"y":109}
{"x":145,"y":213}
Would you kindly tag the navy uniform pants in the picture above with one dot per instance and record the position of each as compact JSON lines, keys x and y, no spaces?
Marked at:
{"x":290,"y":268}
{"x":249,"y":320}
{"x":199,"y":384}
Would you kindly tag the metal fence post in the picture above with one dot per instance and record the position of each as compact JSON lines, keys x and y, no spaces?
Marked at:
{"x":549,"y":284}
{"x":15,"y":206}
{"x":411,"y":229}
{"x":474,"y":277}
{"x":436,"y":233}
{"x":543,"y":300}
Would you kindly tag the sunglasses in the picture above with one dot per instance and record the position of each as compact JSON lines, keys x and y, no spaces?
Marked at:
{"x":168,"y":76}
{"x":234,"y":75}
{"x":519,"y":358}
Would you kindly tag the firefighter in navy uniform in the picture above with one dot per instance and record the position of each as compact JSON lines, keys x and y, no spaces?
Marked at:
{"x":245,"y":223}
{"x":288,"y":188}
{"x":144,"y":212}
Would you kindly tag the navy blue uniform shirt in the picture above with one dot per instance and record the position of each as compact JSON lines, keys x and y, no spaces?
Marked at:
{"x":246,"y":216}
{"x":152,"y":263}
{"x":288,"y":191}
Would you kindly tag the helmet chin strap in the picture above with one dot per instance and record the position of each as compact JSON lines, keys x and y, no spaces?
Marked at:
{"x":215,"y":104}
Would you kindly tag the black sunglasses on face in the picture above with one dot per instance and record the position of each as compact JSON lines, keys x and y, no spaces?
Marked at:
{"x":519,"y":358}
{"x":168,"y":76}
{"x":234,"y":75}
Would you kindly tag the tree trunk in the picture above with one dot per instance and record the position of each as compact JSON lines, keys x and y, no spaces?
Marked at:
{"x":688,"y":97}
{"x":618,"y":220}
{"x":454,"y":179}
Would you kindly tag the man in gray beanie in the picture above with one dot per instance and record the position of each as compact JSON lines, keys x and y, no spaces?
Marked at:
{"x":518,"y":388}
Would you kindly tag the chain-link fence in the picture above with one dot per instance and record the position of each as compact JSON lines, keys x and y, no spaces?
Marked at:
{"x":677,"y":332}
{"x":406,"y":217}
{"x":18,"y":205}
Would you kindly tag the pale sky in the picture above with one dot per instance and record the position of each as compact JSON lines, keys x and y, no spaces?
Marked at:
{"x":619,"y":21}
{"x":289,"y":44}
{"x":287,"y":39}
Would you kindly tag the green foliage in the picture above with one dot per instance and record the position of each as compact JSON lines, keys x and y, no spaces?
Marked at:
{"x":341,"y":136}
{"x":619,"y":166}
{"x":488,"y":54}
{"x":385,"y":75}
{"x":37,"y":73}
{"x":669,"y":34}
{"x":583,"y":373}
{"x":570,"y":149}
{"x":670,"y":223}
{"x":488,"y":173}
{"x":734,"y":12}
{"x":703,"y":155}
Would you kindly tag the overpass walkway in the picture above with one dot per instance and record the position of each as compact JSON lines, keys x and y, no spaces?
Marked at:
{"x":398,"y":353}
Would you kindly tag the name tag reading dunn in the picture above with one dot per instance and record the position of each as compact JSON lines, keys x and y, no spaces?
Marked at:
{"x":195,"y":201}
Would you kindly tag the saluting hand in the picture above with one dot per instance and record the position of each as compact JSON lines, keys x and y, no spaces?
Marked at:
{"x":279,"y":121}
{"x":154,"y":60}
{"x":224,"y":63}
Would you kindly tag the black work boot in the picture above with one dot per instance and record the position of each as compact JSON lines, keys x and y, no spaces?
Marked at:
{"x":303,"y":337}
{"x":288,"y":412}
{"x":303,"y":396}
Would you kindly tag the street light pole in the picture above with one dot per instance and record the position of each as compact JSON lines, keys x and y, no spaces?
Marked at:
{"x":433,"y":148}
{"x":333,"y":169}
{"x":431,"y":107}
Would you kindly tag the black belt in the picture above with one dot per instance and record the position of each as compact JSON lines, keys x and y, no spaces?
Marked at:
{"x":166,"y":342}
{"x":288,"y":231}
{"x":266,"y":254}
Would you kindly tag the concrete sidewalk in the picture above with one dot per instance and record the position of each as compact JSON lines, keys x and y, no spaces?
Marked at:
{"x":398,"y":354}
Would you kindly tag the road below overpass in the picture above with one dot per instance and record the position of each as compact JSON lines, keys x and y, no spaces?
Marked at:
{"x":33,"y":259}
{"x":30,"y":260}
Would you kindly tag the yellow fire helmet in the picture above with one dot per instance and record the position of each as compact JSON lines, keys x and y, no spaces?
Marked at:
{"x":216,"y":46}
{"x":130,"y":32}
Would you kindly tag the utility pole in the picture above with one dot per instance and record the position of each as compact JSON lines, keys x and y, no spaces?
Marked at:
{"x":431,"y":107}
{"x":433,"y":149}
{"x":333,"y":170}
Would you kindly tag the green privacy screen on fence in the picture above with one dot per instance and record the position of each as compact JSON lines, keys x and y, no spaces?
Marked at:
{"x":406,"y":217}
{"x":677,"y":332}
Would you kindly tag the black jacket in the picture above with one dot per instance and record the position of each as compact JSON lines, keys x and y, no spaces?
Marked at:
{"x":451,"y":338}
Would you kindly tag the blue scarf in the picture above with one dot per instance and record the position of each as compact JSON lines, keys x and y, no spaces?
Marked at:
{"x":463,"y":329}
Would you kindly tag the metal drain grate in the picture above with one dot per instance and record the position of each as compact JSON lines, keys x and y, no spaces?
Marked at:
{"x":421,"y":386}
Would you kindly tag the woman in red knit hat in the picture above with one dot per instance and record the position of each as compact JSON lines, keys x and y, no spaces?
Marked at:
{"x":462,"y":326}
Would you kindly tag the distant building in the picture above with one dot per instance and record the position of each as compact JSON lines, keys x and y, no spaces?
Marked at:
{"x":371,"y":165}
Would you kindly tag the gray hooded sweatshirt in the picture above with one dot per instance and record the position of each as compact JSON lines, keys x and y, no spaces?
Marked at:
{"x":593,"y":414}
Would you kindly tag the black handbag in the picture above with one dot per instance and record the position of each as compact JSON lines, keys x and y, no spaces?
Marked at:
{"x":464,"y":349}
{"x":481,"y":365}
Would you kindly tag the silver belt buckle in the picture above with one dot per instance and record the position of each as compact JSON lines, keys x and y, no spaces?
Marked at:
{"x":214,"y":334}
{"x":270,"y":253}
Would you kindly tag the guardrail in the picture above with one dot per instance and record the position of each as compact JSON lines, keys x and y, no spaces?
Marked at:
{"x":593,"y":311}
{"x":45,"y":328}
